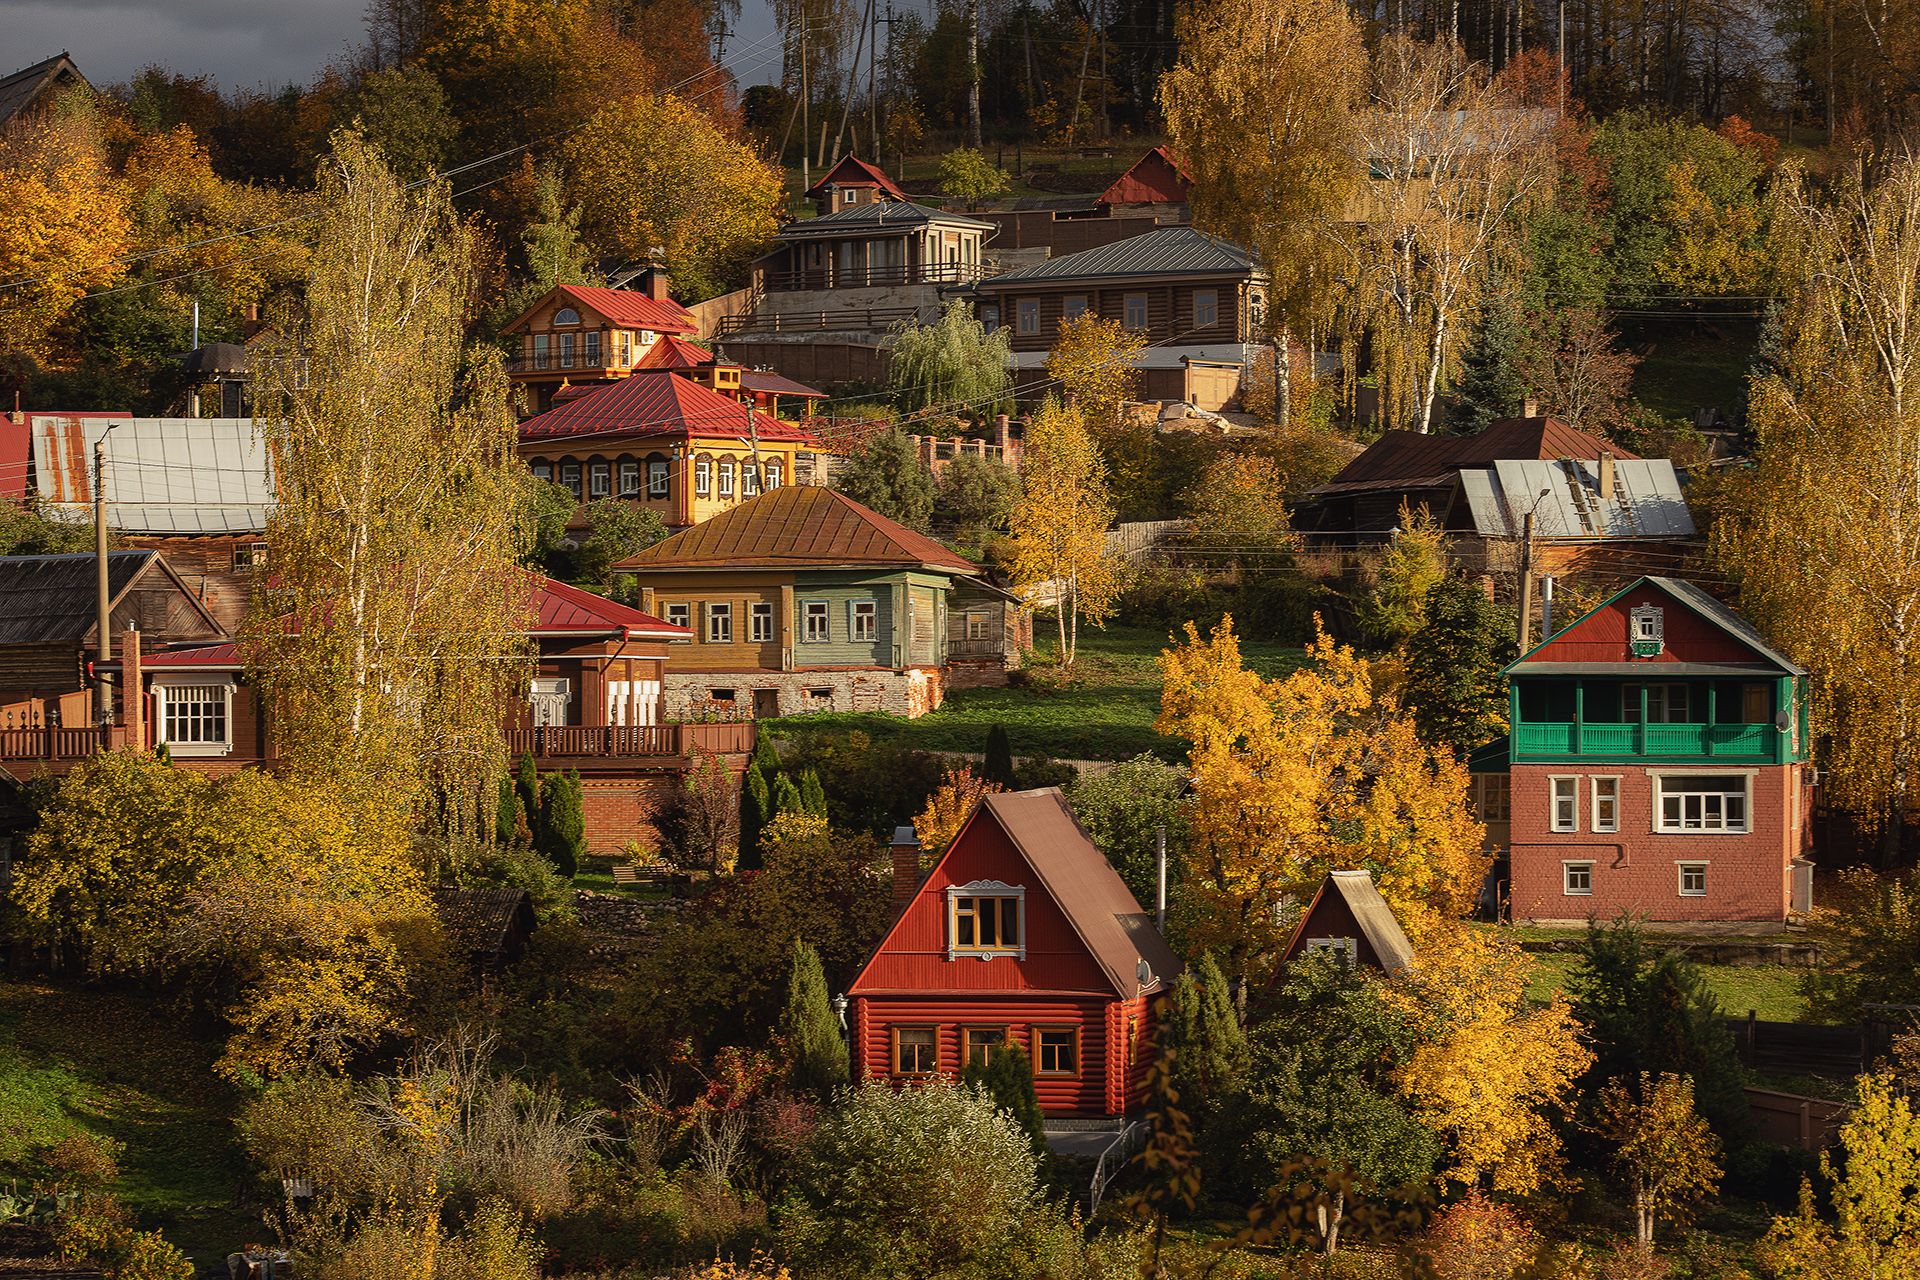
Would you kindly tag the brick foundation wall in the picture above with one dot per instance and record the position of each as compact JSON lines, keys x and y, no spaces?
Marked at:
{"x":902,"y":693}
{"x":620,"y":809}
{"x":1634,"y":868}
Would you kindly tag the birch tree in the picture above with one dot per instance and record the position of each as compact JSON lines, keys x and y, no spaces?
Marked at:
{"x":1059,"y":529}
{"x":1263,"y":108}
{"x":396,"y":620}
{"x":1455,"y":163}
{"x":1824,"y":532}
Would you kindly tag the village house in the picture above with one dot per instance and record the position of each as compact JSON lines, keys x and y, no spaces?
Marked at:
{"x":1594,"y":505}
{"x":763,"y":389}
{"x":1152,"y":193}
{"x":1021,"y":934}
{"x":1658,"y":763}
{"x":804,"y":600}
{"x":1197,"y":300}
{"x":594,"y":702}
{"x":852,"y":182}
{"x":661,"y":440}
{"x":199,"y":489}
{"x":30,"y":92}
{"x":1348,"y":918}
{"x":580,"y":334}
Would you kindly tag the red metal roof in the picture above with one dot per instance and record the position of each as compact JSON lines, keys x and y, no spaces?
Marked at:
{"x":854,"y":172}
{"x":657,"y":404}
{"x":673,"y":352}
{"x":1408,"y":459}
{"x":632,"y":308}
{"x":797,"y":527}
{"x":1155,"y":178}
{"x":200,"y":657}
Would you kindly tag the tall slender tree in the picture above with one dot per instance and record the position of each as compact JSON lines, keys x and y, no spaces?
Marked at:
{"x":815,"y":1050}
{"x":1060,"y":527}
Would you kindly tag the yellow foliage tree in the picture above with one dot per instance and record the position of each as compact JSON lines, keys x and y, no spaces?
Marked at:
{"x":1663,"y":1148}
{"x":1093,"y":361}
{"x":1236,"y":512}
{"x":948,"y":807}
{"x":63,"y":224}
{"x":1490,"y":1068}
{"x":1296,"y":777}
{"x":1059,"y":528}
{"x":1714,"y":248}
{"x":656,"y":174}
{"x":1875,"y":1228}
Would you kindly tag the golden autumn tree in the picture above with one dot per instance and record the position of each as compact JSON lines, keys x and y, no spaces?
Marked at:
{"x":1059,"y":527}
{"x":1263,"y":108}
{"x":1093,"y":361}
{"x":1663,"y":1149}
{"x":657,"y":174}
{"x":1296,"y":777}
{"x":1490,"y":1070}
{"x":397,"y":628}
{"x":63,"y":222}
{"x":1823,"y":532}
{"x":948,"y":807}
{"x":1874,"y":1229}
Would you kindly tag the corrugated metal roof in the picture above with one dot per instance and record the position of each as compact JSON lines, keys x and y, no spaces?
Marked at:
{"x":674,"y":352}
{"x":873,"y":217}
{"x":797,"y":527}
{"x":1410,"y":459}
{"x":767,"y":382}
{"x":1170,"y":251}
{"x":568,"y":610}
{"x":657,"y":404}
{"x":634,"y":308}
{"x":51,"y":599}
{"x":164,"y":475}
{"x":1563,"y":495}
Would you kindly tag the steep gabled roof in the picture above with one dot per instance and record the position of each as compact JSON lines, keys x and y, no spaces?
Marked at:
{"x":798,"y":527}
{"x":657,"y":404}
{"x":1169,"y":251}
{"x":24,"y":87}
{"x":1119,"y":936}
{"x":628,"y":307}
{"x":675,"y":352}
{"x":1155,"y":178}
{"x":1372,"y":915}
{"x":854,"y":172}
{"x":1708,"y":608}
{"x":1411,"y":460}
{"x":876,"y":217}
{"x":51,"y":599}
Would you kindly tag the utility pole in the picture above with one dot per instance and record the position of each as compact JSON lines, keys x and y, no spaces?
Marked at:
{"x":973,"y":74}
{"x":806,"y":136}
{"x":853,"y":80}
{"x":873,"y":66}
{"x":1526,"y":583}
{"x":1160,"y":865}
{"x":103,"y":635}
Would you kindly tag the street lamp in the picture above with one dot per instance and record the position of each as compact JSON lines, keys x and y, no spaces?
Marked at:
{"x":840,"y":1011}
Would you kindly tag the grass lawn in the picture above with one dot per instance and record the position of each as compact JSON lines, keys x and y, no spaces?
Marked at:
{"x":118,"y":1064}
{"x":1773,"y":991}
{"x":1688,"y":368}
{"x":1106,"y":713}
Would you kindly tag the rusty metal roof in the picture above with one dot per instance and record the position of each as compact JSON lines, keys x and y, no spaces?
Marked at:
{"x":798,"y":527}
{"x":1169,"y":251}
{"x":852,"y":171}
{"x":164,"y":475}
{"x":659,"y":403}
{"x":1410,"y":460}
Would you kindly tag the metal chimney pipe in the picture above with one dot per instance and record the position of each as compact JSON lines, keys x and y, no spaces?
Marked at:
{"x":1160,"y":863}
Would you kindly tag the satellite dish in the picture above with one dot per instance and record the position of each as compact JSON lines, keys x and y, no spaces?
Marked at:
{"x":1783,"y":721}
{"x":1143,"y":973}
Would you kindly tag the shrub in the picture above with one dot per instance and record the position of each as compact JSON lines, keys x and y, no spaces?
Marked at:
{"x":1007,"y":1078}
{"x":968,"y":176}
{"x":1479,"y":1239}
{"x":817,"y":1056}
{"x":563,"y":823}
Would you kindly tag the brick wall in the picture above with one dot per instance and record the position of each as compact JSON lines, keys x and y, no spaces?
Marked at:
{"x":1635,"y":868}
{"x":902,"y":693}
{"x":620,"y":809}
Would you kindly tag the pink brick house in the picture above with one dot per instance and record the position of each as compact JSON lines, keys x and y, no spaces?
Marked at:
{"x":1658,"y":766}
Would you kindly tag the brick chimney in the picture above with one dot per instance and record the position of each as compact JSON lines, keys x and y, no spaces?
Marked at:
{"x":1606,"y":476}
{"x":656,"y":280}
{"x":133,"y":694}
{"x":1529,"y":408}
{"x":906,"y":866}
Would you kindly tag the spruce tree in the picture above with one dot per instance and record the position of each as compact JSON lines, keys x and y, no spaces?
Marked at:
{"x":755,"y":805}
{"x":562,"y":834}
{"x":1209,"y":1045}
{"x":765,"y":754}
{"x":816,"y":1053}
{"x":1455,"y":684}
{"x":998,"y":767}
{"x":506,"y":810}
{"x":786,"y":797}
{"x":1007,"y":1078}
{"x":1490,"y":385}
{"x":813,"y":796}
{"x":526,"y":783}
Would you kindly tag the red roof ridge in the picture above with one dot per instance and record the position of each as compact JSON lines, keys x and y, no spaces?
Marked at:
{"x":659,"y":403}
{"x":798,"y":526}
{"x":867,"y":173}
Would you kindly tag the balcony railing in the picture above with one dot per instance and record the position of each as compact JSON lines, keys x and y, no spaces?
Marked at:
{"x":863,"y":320}
{"x":600,"y":359}
{"x":993,"y":647}
{"x":45,"y":742}
{"x":1729,"y":741}
{"x":630,"y":741}
{"x":837,"y":277}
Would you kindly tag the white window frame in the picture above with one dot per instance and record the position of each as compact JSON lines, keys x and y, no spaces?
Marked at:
{"x":659,"y":478}
{"x":863,"y":621}
{"x":719,"y":622}
{"x":1027,"y":315}
{"x":702,"y":477}
{"x":726,"y":478}
{"x":1567,"y":869}
{"x":599,"y":478}
{"x":222,"y":687}
{"x":1571,"y":822}
{"x":570,"y":477}
{"x":1206,"y":308}
{"x":816,"y":622}
{"x":627,"y":484}
{"x":1347,"y":949}
{"x":1611,"y":801}
{"x":566,"y":316}
{"x":749,"y":480}
{"x":1744,"y":777}
{"x":773,"y":475}
{"x":1648,"y":623}
{"x":759,"y":622}
{"x":1681,"y":869}
{"x":679,"y":614}
{"x":986,"y":889}
{"x":543,"y":470}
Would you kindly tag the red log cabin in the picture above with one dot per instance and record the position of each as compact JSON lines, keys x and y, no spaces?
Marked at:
{"x":1021,"y":933}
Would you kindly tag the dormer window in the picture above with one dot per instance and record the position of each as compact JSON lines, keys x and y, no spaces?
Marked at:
{"x":566,"y":315}
{"x":986,"y":919}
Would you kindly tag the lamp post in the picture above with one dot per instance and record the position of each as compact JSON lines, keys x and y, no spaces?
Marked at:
{"x":839,"y":1003}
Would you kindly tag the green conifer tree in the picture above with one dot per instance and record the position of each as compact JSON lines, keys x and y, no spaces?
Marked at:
{"x":1007,"y":1077}
{"x":816,"y":1051}
{"x":1209,"y":1045}
{"x":755,"y":811}
{"x":813,"y":796}
{"x":765,"y":754}
{"x":998,"y":767}
{"x":1455,"y":684}
{"x":526,"y":783}
{"x":562,"y":833}
{"x":786,"y":798}
{"x":506,"y":810}
{"x":1490,"y":384}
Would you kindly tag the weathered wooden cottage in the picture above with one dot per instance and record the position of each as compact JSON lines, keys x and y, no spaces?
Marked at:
{"x":1021,"y":933}
{"x":1349,"y":919}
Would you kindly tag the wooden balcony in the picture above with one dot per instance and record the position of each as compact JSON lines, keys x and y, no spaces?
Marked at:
{"x":1612,"y":741}
{"x":598,"y":361}
{"x":662,"y":742}
{"x":808,"y":279}
{"x":63,"y":745}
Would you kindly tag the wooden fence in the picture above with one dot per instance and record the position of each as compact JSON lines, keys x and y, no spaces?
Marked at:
{"x":1800,"y":1048}
{"x":1794,"y":1120}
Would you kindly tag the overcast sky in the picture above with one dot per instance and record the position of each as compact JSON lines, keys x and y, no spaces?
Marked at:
{"x":240,"y":43}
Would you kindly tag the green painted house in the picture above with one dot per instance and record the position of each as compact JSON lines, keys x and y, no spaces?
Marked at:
{"x":804,"y":600}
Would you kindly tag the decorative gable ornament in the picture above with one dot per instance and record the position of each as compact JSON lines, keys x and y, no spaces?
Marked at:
{"x":1647,"y":633}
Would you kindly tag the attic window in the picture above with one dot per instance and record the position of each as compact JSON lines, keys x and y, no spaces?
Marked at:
{"x":1648,"y":630}
{"x":986,"y":919}
{"x":1346,"y":950}
{"x":566,"y":315}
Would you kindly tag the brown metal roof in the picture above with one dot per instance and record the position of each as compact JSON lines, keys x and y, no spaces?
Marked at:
{"x":1410,"y":460}
{"x":1370,"y":912}
{"x":798,"y":527}
{"x":1084,"y":885}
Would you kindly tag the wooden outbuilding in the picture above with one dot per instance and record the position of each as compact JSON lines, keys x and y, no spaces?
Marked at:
{"x":1349,"y":917}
